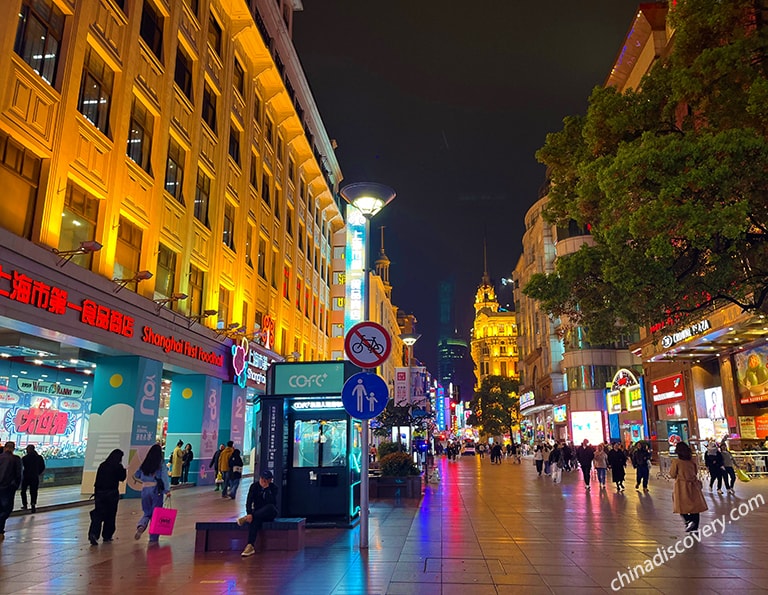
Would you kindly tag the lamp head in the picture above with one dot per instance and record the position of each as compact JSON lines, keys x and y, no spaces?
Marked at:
{"x":90,"y":246}
{"x":142,"y":276}
{"x":368,"y":197}
{"x":410,"y":338}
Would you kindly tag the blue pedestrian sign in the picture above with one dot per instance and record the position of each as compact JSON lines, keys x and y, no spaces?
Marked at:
{"x":365,"y":395}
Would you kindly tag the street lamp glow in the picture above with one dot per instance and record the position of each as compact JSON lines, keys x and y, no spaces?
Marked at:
{"x":368,"y":197}
{"x":410,"y":338}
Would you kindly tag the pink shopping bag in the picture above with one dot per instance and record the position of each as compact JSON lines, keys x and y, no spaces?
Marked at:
{"x":162,"y":521}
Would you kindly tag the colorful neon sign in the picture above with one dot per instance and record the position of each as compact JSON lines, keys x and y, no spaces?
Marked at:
{"x":356,"y":266}
{"x":40,"y":421}
{"x":170,"y":343}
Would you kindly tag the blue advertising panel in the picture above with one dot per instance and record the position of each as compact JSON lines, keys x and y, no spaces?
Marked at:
{"x":356,"y":267}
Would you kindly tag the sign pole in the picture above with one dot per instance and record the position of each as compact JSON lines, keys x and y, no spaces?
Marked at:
{"x":364,"y":438}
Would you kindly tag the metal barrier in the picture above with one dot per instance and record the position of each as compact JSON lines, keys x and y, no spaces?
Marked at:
{"x":665,"y":463}
{"x":752,"y":462}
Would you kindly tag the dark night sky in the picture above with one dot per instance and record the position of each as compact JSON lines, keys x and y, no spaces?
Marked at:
{"x":447,"y":102}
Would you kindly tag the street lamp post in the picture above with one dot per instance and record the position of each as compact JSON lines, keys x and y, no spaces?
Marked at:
{"x":368,"y":198}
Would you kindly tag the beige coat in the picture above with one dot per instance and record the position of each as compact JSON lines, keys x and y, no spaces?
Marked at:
{"x":176,"y":460}
{"x":687,"y":497}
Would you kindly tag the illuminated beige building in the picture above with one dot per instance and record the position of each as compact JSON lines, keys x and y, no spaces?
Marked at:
{"x":183,"y":138}
{"x":494,"y":338}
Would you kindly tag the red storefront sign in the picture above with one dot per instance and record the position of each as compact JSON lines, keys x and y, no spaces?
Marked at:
{"x":668,"y":390}
{"x":25,"y":290}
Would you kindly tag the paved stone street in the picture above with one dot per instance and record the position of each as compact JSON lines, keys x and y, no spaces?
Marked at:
{"x":484,"y":529}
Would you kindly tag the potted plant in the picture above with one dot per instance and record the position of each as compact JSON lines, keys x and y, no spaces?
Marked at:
{"x":399,"y":477}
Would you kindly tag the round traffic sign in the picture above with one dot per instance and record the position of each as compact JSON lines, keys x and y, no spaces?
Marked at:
{"x":367,"y":344}
{"x":365,"y":395}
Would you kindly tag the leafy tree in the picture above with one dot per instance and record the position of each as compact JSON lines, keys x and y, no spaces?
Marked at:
{"x":495,"y":406}
{"x":670,"y":179}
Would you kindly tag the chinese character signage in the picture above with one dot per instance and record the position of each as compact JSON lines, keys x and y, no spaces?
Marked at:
{"x":614,"y":401}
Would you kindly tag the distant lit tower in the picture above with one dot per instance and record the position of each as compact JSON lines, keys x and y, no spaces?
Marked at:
{"x":452,"y":350}
{"x":494,"y":334}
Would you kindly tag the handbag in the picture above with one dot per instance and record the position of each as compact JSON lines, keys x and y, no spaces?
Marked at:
{"x":219,"y":478}
{"x":163,"y":520}
{"x":742,"y":475}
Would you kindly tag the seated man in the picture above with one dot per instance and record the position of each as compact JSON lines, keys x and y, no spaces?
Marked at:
{"x":260,"y":506}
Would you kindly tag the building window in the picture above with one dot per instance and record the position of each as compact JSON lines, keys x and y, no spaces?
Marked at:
{"x":261,"y":259}
{"x":194,"y":6}
{"x":165,"y":274}
{"x":214,"y":34}
{"x":278,"y":197}
{"x":269,"y":133}
{"x":298,"y":294}
{"x":202,"y":197}
{"x":19,"y":179}
{"x":291,"y":168}
{"x":234,"y":144}
{"x":140,"y":135}
{"x":174,"y":170}
{"x":248,"y":244}
{"x":301,"y":238}
{"x":152,"y":29}
{"x":289,"y":221}
{"x":96,"y":91}
{"x":228,"y":235}
{"x":306,"y":302}
{"x":182,"y":75}
{"x":257,"y":107}
{"x":239,"y":78}
{"x":254,"y":177}
{"x":78,"y":223}
{"x":128,"y":252}
{"x":286,"y":282}
{"x":265,"y":183}
{"x":38,"y":37}
{"x":225,"y":297}
{"x":195,"y":290}
{"x":273,"y":269}
{"x":209,"y":108}
{"x":503,"y":368}
{"x":279,"y":149}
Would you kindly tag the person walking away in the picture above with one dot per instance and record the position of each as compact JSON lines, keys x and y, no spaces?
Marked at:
{"x":513,"y":452}
{"x":617,"y":460}
{"x":214,"y":464}
{"x":714,"y":462}
{"x":567,"y":455}
{"x":154,"y":479}
{"x":601,"y":465}
{"x":585,"y":454}
{"x":106,"y":495}
{"x":556,"y":463}
{"x":538,"y":458}
{"x":546,"y":450}
{"x":10,"y":479}
{"x":260,"y":507}
{"x":496,"y":453}
{"x":641,"y":461}
{"x":235,"y":472}
{"x":33,"y":466}
{"x":187,"y":456}
{"x":687,"y":495}
{"x":177,"y":460}
{"x":224,"y":466}
{"x":729,"y":474}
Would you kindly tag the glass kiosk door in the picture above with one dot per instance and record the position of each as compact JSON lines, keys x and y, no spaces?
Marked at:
{"x":323,"y":471}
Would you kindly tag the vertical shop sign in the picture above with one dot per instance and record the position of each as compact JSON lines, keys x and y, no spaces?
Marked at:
{"x":237,"y":419}
{"x":144,"y":429}
{"x":356,"y":267}
{"x":209,"y":438}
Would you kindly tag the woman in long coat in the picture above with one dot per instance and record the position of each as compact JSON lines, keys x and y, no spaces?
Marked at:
{"x":687,"y":497}
{"x":617,"y":461}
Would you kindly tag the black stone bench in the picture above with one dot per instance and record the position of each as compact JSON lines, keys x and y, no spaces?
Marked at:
{"x":225,"y":536}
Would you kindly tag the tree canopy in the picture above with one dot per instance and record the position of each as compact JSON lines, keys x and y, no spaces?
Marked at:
{"x":495,"y":406}
{"x":670,"y":179}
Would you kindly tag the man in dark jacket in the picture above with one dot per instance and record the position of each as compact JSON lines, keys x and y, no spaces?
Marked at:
{"x":585,"y":453}
{"x":10,"y":478}
{"x":34,"y":465}
{"x":641,"y":460}
{"x":214,"y":464}
{"x":260,"y":507}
